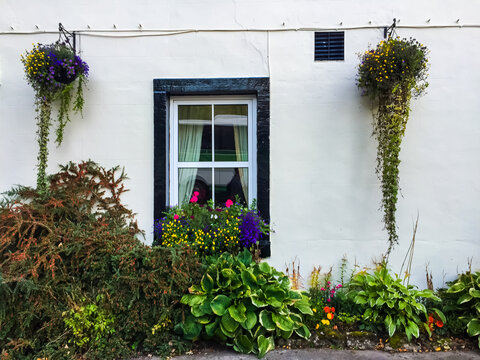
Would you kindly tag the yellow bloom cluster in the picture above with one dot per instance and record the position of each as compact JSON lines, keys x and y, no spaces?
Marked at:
{"x":216,"y":240}
{"x":34,"y":61}
{"x":174,"y":234}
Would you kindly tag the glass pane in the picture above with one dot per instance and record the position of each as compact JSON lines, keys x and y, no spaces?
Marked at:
{"x":230,"y":182}
{"x":194,"y":179}
{"x":194,"y":133}
{"x":231,"y":132}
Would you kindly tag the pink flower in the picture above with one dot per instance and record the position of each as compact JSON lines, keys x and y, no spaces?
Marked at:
{"x":196,"y":193}
{"x":328,"y":282}
{"x":194,"y":199}
{"x":323,"y":289}
{"x":176,"y":217}
{"x":229,"y":203}
{"x":329,"y":300}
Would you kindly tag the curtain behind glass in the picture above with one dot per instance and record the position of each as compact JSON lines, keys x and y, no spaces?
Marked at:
{"x":191,"y":120}
{"x":241,"y":150}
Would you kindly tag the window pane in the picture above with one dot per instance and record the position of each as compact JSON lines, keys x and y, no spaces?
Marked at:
{"x":230,"y":182}
{"x":194,"y":133}
{"x":194,"y":179}
{"x":231,"y":132}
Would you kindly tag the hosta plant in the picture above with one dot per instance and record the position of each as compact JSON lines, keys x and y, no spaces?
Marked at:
{"x":245,"y":305}
{"x":398,"y":306}
{"x":466,"y":290}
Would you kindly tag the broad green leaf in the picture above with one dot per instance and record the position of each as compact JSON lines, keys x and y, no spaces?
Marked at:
{"x":473,"y":327}
{"x":283,"y":322}
{"x":220,"y":304}
{"x":191,"y":328}
{"x":390,"y":325}
{"x":295,"y":295}
{"x":264,"y":345}
{"x":228,"y":273}
{"x":245,"y":257}
{"x":229,"y":323}
{"x":457,"y":287}
{"x":414,"y":330}
{"x":210,"y":328}
{"x":250,"y":322}
{"x":286,"y":334}
{"x":464,"y":298}
{"x":303,"y":332}
{"x":257,"y":301}
{"x":304,"y":306}
{"x":474,"y":293}
{"x":197,"y":311}
{"x":276,"y":293}
{"x":265,"y":268}
{"x":244,"y":344}
{"x":220,"y":334}
{"x":360,"y":299}
{"x":207,"y":283}
{"x":266,"y":320}
{"x":195,"y":289}
{"x":237,"y":312}
{"x":401,"y":304}
{"x":427,"y":329}
{"x":249,"y":279}
{"x":440,"y":315}
{"x":192,"y":300}
{"x":203,"y":319}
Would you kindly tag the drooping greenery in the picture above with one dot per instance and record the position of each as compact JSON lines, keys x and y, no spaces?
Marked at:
{"x":51,"y":71}
{"x":465,"y":291}
{"x":389,"y":301}
{"x":76,"y":282}
{"x":390,"y":75}
{"x":245,"y":305}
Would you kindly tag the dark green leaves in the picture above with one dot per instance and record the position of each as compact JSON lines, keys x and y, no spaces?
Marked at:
{"x":245,"y":305}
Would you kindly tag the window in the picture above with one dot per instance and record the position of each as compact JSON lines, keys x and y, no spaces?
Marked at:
{"x":228,"y":97}
{"x":212,"y":149}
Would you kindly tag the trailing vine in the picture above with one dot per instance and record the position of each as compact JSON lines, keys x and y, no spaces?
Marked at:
{"x":51,"y":71}
{"x":390,"y":75}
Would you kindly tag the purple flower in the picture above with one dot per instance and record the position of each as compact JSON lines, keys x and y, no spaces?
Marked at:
{"x":250,"y":229}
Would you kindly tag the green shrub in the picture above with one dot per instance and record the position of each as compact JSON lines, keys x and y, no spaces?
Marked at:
{"x":245,"y":305}
{"x":74,"y":247}
{"x":399,"y":307}
{"x":465,"y":291}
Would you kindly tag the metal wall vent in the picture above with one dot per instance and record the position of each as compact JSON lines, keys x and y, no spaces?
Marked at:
{"x":329,"y":45}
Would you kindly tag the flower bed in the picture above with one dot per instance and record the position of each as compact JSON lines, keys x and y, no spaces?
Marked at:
{"x":211,"y":229}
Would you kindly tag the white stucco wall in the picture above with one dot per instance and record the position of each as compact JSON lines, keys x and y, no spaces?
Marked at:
{"x":324,"y":193}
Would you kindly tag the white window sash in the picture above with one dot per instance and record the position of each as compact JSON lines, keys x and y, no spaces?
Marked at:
{"x":174,"y":164}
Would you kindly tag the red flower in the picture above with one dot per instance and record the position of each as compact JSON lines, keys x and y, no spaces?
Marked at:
{"x":326,"y":309}
{"x":439,"y":323}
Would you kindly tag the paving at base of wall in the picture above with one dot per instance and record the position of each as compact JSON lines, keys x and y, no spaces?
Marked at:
{"x":327,"y":354}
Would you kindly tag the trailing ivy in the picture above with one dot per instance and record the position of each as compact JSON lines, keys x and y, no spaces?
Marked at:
{"x":390,"y":75}
{"x":51,"y":71}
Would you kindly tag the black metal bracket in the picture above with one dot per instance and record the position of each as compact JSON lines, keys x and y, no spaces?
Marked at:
{"x":67,"y":36}
{"x":388,"y":32}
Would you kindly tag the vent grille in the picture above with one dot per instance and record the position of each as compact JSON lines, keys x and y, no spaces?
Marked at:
{"x":329,"y":45}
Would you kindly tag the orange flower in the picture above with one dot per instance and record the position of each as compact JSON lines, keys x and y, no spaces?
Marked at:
{"x":332,"y":309}
{"x":439,"y":323}
{"x":326,"y":309}
{"x":430,"y":318}
{"x":329,"y":316}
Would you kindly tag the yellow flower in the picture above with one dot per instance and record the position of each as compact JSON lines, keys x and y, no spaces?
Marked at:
{"x":325,"y":322}
{"x":316,"y":327}
{"x":314,"y":310}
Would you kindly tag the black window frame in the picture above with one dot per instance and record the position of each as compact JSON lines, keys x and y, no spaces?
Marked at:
{"x":163,"y":89}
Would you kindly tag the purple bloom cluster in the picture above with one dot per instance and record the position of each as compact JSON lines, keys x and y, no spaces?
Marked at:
{"x":61,"y":67}
{"x":250,"y":228}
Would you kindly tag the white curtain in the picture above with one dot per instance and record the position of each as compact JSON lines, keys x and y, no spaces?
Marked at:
{"x":189,"y":146}
{"x":241,"y":151}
